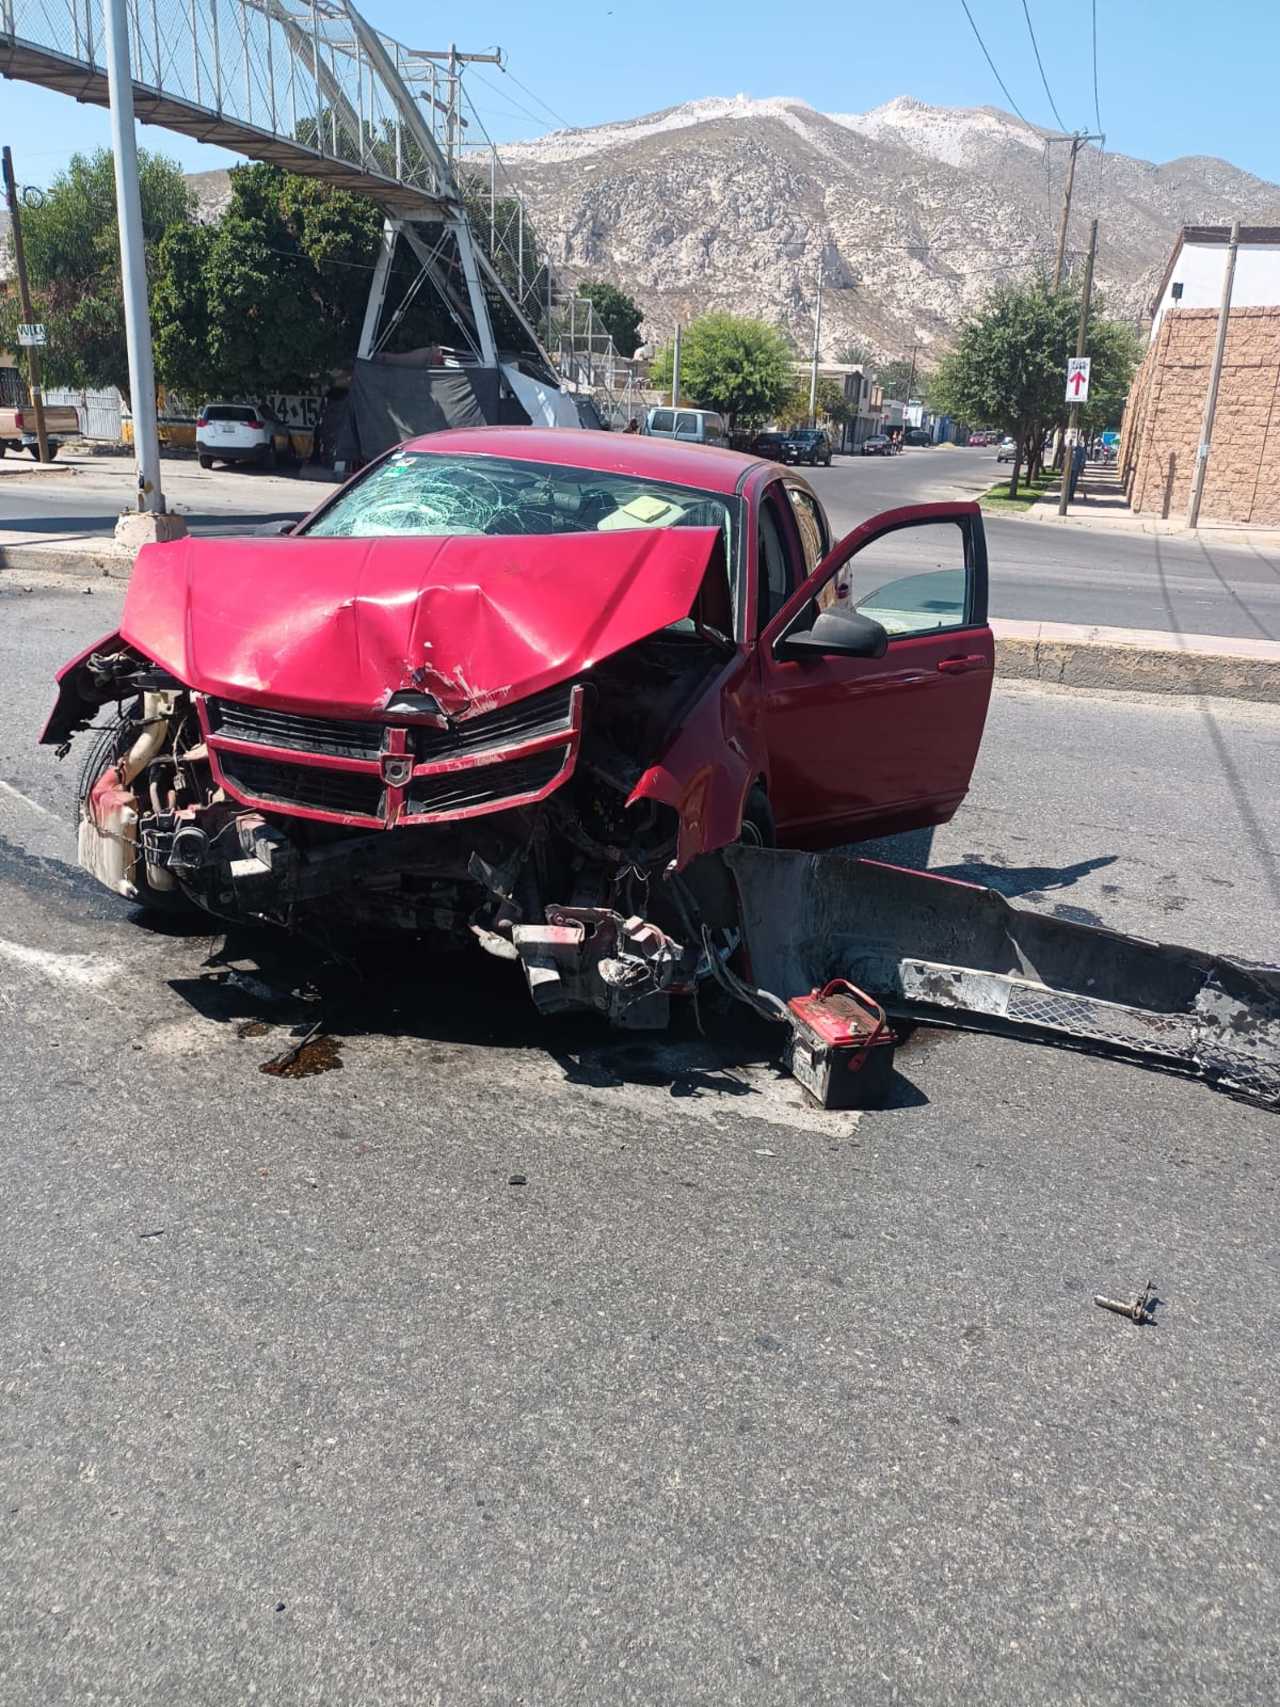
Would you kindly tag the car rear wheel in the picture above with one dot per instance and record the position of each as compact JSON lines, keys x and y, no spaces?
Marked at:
{"x":267,"y":457}
{"x":205,"y":461}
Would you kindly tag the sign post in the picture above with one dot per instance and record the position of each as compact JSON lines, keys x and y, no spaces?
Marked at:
{"x":1078,"y":376}
{"x":31,"y":344}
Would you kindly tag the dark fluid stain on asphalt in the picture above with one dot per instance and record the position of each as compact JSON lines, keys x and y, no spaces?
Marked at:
{"x":315,"y":1055}
{"x":252,"y":1028}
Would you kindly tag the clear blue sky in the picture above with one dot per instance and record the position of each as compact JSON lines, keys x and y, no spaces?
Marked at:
{"x":1175,"y":76}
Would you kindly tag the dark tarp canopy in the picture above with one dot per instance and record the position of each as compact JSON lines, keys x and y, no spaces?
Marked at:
{"x":394,"y":400}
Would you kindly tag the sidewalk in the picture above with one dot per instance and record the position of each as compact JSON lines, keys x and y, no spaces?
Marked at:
{"x":1100,"y":504}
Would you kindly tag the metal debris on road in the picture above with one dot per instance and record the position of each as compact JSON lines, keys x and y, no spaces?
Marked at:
{"x":1142,"y":1309}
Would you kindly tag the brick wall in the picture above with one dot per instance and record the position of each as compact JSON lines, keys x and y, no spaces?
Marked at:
{"x":1166,"y":401}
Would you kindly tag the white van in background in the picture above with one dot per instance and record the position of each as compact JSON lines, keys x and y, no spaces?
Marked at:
{"x":690,"y":426}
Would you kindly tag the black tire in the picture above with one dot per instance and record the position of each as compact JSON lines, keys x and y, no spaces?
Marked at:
{"x":107,"y":747}
{"x":205,"y":461}
{"x":268,"y":457}
{"x":759,"y":829}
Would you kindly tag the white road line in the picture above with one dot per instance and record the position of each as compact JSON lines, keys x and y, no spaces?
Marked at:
{"x":85,"y":971}
{"x":8,"y":788}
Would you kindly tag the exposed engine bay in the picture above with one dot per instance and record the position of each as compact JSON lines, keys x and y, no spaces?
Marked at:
{"x":512,"y":828}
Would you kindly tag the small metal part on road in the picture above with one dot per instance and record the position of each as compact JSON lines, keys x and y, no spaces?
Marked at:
{"x":1141,"y":1310}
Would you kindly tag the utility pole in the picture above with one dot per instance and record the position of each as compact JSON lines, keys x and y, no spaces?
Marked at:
{"x":817,"y":336}
{"x":24,"y":296}
{"x":911,"y":377}
{"x":675,"y":369}
{"x":1215,"y":376}
{"x":133,"y":262}
{"x":1077,"y":141}
{"x":1082,"y":336}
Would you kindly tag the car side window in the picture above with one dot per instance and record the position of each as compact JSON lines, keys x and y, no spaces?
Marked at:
{"x":774,"y":579}
{"x":663,"y":421}
{"x":812,"y":526}
{"x":911,"y":580}
{"x":686,"y":425}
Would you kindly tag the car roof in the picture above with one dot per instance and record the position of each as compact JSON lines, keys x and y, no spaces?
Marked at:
{"x":706,"y":466}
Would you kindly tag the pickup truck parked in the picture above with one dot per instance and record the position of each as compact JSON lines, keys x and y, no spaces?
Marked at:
{"x":18,"y":428}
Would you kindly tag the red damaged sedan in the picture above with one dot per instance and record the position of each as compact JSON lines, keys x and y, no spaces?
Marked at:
{"x":510,"y":685}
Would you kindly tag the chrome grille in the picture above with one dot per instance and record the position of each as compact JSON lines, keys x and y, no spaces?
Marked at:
{"x":322,"y":790}
{"x":483,"y":785}
{"x":342,"y":738}
{"x":548,"y":713}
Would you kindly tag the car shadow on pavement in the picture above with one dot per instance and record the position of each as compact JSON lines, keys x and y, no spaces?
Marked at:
{"x":264,"y":984}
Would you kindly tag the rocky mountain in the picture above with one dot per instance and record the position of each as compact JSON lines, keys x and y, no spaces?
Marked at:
{"x":914,"y":212}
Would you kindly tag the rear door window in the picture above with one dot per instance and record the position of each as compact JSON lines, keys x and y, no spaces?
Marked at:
{"x":686,"y":425}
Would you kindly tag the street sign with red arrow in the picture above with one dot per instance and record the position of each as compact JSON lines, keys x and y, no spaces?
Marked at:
{"x":1078,"y":379}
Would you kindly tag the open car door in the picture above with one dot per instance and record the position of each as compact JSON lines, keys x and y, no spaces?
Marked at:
{"x":874,"y":679}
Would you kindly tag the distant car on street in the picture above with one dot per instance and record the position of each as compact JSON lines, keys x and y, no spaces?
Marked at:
{"x":916,"y":437}
{"x":807,"y":444}
{"x":240,"y":432}
{"x":770,"y":446}
{"x":18,"y":428}
{"x":1007,"y":451}
{"x":691,"y":426}
{"x":878,"y":446}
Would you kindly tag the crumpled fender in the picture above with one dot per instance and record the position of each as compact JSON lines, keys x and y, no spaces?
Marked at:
{"x":711,"y":766}
{"x":72,"y":706}
{"x":334,"y":627}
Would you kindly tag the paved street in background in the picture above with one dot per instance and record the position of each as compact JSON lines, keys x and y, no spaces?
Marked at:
{"x":732,"y":1400}
{"x":1045,"y":573}
{"x":1038,"y":572}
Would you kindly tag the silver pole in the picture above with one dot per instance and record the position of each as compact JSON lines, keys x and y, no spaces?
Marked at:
{"x":675,"y":369}
{"x":1215,"y":376}
{"x":817,"y":334}
{"x":133,"y":261}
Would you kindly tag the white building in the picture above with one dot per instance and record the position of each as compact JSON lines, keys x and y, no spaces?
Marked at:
{"x":1193,"y":278}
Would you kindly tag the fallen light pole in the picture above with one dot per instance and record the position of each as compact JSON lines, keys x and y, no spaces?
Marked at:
{"x":948,"y":953}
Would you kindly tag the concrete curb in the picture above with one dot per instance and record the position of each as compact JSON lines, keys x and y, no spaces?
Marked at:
{"x":58,"y":560}
{"x":1132,"y":660}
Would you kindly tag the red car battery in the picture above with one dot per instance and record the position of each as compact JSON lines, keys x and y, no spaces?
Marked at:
{"x":841,"y":1047}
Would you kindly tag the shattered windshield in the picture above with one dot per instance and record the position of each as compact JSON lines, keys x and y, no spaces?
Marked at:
{"x":417,"y":492}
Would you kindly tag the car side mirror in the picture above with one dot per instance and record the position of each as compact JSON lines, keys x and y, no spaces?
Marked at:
{"x":839,"y":634}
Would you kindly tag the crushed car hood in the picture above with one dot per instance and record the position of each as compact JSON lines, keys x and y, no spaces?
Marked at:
{"x":340,"y":625}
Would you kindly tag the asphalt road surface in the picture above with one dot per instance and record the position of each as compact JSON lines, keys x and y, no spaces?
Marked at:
{"x":731,"y":1401}
{"x":1041,"y":572}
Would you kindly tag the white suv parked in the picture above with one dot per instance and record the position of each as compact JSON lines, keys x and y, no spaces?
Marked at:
{"x":240,"y":432}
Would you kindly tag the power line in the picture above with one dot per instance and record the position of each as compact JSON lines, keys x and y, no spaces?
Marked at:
{"x":1097,"y":116}
{"x":534,"y":118}
{"x":991,"y":62}
{"x":558,"y":117}
{"x":1026,"y":12}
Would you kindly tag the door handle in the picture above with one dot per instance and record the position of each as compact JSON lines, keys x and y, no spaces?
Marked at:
{"x":959,"y":665}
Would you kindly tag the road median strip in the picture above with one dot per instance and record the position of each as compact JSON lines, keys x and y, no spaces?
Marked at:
{"x":1136,"y":660}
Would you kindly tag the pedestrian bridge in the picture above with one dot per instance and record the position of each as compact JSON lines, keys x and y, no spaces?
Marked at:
{"x":307,"y":85}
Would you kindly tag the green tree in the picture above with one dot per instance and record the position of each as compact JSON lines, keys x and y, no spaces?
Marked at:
{"x":1008,"y":367}
{"x":737,"y":366}
{"x":794,"y":408}
{"x":1115,"y":350}
{"x":618,"y":313}
{"x":73,"y":256}
{"x":855,"y":354}
{"x":899,"y":376}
